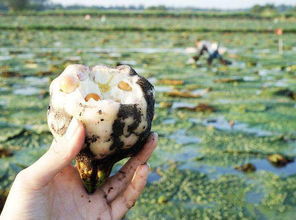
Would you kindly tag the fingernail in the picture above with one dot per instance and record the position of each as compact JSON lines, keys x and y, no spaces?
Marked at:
{"x":72,"y":129}
{"x":143,"y":169}
{"x":153,"y":136}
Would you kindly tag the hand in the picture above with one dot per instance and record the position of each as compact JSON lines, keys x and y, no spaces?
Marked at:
{"x":51,"y":188}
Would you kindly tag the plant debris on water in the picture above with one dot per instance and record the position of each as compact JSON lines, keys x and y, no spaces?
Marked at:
{"x":227,"y":133}
{"x":279,"y":160}
{"x":182,"y":94}
{"x":173,"y":82}
{"x":247,"y":168}
{"x":202,"y":107}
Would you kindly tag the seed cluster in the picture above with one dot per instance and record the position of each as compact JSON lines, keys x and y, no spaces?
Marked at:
{"x":68,"y":84}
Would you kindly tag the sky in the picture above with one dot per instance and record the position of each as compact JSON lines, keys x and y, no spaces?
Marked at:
{"x":219,"y":4}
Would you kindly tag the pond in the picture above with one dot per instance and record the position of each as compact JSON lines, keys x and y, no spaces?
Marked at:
{"x":239,"y":114}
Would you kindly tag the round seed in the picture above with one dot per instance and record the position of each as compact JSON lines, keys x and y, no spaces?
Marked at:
{"x":124,"y":86}
{"x":93,"y":96}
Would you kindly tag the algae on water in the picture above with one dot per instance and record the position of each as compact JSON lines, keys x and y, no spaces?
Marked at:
{"x":252,"y":116}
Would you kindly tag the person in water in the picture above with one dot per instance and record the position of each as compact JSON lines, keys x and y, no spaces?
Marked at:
{"x":213,"y":50}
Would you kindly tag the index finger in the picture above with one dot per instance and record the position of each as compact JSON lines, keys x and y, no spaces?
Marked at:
{"x":120,"y":180}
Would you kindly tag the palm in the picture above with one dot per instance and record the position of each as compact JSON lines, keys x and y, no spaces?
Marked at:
{"x":66,"y":195}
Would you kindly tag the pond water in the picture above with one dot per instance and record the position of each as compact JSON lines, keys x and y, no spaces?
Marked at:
{"x":193,"y":170}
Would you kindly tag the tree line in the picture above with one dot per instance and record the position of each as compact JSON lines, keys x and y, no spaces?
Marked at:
{"x":39,"y":5}
{"x":18,"y":5}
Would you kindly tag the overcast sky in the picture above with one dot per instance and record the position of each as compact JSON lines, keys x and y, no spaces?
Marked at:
{"x":221,"y":4}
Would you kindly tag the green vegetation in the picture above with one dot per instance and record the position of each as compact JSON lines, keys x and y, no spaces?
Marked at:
{"x":15,"y":5}
{"x":155,"y":24}
{"x":21,"y":5}
{"x":44,"y":7}
{"x":248,"y":113}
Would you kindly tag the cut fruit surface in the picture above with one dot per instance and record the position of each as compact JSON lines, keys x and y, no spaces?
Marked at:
{"x":68,"y":84}
{"x":116,"y":105}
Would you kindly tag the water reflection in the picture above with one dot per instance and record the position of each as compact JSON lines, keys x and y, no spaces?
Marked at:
{"x":181,"y":137}
{"x":288,"y":170}
{"x":222,"y":124}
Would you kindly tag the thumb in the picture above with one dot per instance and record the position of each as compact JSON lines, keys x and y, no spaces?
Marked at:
{"x":60,"y":154}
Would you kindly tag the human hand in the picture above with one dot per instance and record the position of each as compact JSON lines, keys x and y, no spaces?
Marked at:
{"x":52,"y":189}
